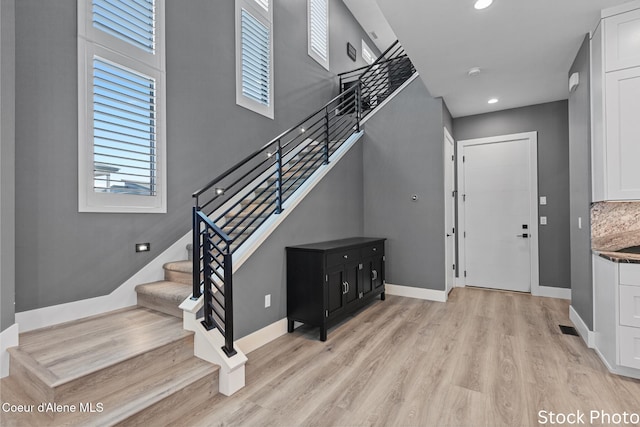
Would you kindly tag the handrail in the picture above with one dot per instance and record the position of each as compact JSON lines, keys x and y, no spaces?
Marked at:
{"x":264,"y":147}
{"x":240,"y":199}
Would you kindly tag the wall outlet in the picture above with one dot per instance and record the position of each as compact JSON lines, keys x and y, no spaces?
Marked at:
{"x":543,"y":200}
{"x":543,"y":220}
{"x":267,"y":300}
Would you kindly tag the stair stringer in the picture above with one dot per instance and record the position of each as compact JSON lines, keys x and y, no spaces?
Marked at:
{"x":207,"y":345}
{"x":242,"y":254}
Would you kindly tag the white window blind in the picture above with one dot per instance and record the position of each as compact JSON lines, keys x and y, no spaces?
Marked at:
{"x":318,"y":11}
{"x":256,"y":59}
{"x":124,"y":130}
{"x":131,"y":21}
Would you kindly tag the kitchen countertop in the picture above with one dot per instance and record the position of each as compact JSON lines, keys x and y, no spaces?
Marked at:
{"x":619,"y":256}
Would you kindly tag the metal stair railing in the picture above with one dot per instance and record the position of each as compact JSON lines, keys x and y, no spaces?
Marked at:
{"x":238,"y":201}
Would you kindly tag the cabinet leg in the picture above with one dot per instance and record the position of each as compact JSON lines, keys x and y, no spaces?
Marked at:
{"x":382,"y":296}
{"x":323,"y":333}
{"x":289,"y":326}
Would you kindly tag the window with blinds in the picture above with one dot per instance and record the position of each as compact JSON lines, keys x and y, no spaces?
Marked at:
{"x":318,"y":31}
{"x":256,"y":59}
{"x":131,"y":21}
{"x":124,"y":130}
{"x":121,"y":144}
{"x":254,"y":53}
{"x":367,"y":53}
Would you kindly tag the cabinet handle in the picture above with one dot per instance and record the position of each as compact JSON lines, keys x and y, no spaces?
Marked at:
{"x":346,"y":256}
{"x":375,"y":249}
{"x":344,"y":287}
{"x":347,"y":287}
{"x":374,"y":274}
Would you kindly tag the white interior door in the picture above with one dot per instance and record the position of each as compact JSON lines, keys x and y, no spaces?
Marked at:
{"x":449,"y":200}
{"x":498,"y":183}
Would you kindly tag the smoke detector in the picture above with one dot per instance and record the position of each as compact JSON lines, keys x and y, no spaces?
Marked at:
{"x":474,"y":72}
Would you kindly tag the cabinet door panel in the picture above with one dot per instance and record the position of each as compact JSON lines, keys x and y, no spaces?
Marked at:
{"x":629,"y":347}
{"x":623,"y":134}
{"x":622,"y":41}
{"x":630,"y":306}
{"x":353,"y":282}
{"x":335,"y":290}
{"x":377,"y":272}
{"x":367,"y":283}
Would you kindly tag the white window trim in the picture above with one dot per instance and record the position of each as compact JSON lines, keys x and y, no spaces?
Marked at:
{"x":322,"y":61}
{"x":94,"y":42}
{"x":266,"y":18}
{"x":366,"y":48}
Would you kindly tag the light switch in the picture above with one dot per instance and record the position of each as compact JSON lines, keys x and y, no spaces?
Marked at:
{"x":580,"y":222}
{"x":543,"y":220}
{"x":543,"y":200}
{"x":267,"y":300}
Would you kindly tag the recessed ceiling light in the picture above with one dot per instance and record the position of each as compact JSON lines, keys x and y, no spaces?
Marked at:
{"x":492,"y":101}
{"x":482,"y":4}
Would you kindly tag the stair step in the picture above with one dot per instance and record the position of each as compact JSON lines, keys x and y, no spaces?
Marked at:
{"x":179,"y":272}
{"x":158,"y":399}
{"x":78,"y":360}
{"x":163,"y":296}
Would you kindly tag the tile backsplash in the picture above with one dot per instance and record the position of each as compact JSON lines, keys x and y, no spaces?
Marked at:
{"x":615,"y":225}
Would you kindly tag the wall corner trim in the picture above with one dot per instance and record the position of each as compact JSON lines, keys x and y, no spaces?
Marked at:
{"x":8,"y":338}
{"x":551,"y":292}
{"x":587,"y":336}
{"x":419,"y":293}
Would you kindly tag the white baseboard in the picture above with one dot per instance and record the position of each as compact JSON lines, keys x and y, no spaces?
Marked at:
{"x":262,"y":336}
{"x":587,"y":335}
{"x":550,"y":292}
{"x":123,"y":296}
{"x":419,"y":293}
{"x":8,"y":338}
{"x":618,"y":370}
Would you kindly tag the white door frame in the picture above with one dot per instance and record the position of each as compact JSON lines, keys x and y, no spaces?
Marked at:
{"x":449,"y":199}
{"x":533,"y":212}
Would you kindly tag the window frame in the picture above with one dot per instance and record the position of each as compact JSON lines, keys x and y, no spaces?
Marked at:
{"x":320,"y":60}
{"x":367,"y":48}
{"x":95,"y":43}
{"x":265,"y":17}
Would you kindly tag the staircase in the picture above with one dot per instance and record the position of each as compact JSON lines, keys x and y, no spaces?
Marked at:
{"x":174,"y":351}
{"x":130,"y":365}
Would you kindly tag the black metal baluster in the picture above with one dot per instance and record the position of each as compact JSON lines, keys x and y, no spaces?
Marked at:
{"x":279,"y":178}
{"x":228,"y":304}
{"x":195,"y":252}
{"x":326,"y":135}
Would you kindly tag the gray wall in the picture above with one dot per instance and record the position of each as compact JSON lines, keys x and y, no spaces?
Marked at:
{"x":550,"y":120}
{"x":7,"y":164}
{"x":333,"y":210}
{"x":580,"y":187}
{"x":63,"y":255}
{"x":400,"y":160}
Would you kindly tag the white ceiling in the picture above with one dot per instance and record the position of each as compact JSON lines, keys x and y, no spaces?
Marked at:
{"x":524,"y":48}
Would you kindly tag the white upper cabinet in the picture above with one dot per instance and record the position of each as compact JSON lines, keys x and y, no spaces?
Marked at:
{"x":615,"y":92}
{"x":622,"y":36}
{"x":622,"y":108}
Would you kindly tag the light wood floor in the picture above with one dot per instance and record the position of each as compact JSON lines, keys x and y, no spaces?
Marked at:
{"x":484,"y":358}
